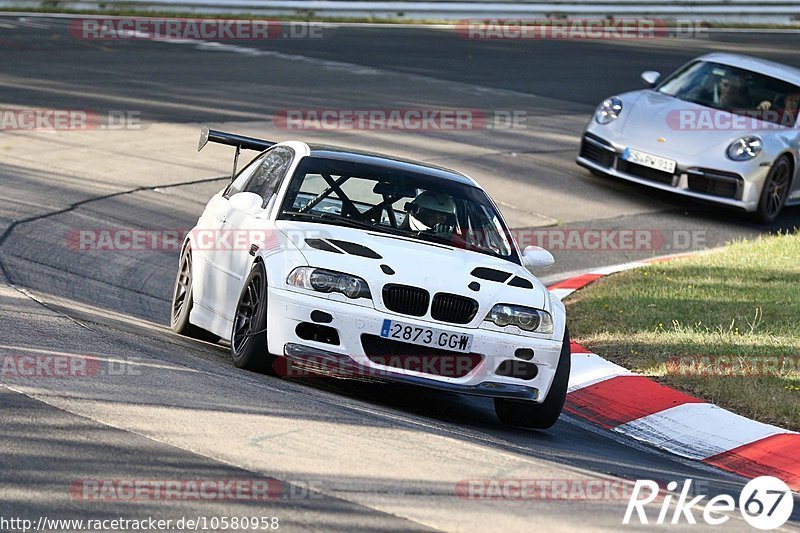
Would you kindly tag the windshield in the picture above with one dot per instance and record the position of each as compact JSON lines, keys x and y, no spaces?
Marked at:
{"x":394,"y":201}
{"x":735,"y":90}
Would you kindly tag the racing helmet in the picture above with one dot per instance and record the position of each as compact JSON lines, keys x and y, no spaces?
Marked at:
{"x":430,"y":210}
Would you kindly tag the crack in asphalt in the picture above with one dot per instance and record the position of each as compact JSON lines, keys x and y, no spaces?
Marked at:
{"x":16,"y":223}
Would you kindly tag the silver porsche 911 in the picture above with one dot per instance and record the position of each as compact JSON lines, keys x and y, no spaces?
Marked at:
{"x":722,"y":128}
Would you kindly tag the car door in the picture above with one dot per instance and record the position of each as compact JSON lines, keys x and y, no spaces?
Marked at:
{"x":206,"y":238}
{"x":241,"y":229}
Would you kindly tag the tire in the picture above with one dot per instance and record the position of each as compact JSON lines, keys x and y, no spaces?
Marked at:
{"x":775,"y":191}
{"x":543,"y":415}
{"x":182,"y":301}
{"x":249,"y":336}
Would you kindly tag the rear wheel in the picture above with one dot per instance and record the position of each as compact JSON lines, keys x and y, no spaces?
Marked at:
{"x":249,"y":335}
{"x":775,"y":191}
{"x":182,"y":301}
{"x":539,"y":415}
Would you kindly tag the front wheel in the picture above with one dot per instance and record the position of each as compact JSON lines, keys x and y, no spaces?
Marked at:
{"x":543,"y":415}
{"x":249,"y":335}
{"x":775,"y":191}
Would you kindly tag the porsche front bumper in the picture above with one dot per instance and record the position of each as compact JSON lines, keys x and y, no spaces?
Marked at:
{"x":697,"y":178}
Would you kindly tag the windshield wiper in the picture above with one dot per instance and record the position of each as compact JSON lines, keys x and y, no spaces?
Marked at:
{"x":453,"y":243}
{"x":421,"y":235}
{"x":432,"y":237}
{"x":327,"y":217}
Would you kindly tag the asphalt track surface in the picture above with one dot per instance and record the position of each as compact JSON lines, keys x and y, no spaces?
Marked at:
{"x":346,"y":456}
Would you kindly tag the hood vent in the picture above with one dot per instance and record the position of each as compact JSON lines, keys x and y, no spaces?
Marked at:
{"x":522,"y":283}
{"x":353,"y":248}
{"x":319,"y":244}
{"x":491,"y":274}
{"x":336,"y":246}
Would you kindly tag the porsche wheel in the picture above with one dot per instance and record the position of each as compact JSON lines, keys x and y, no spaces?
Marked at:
{"x":182,"y":302}
{"x":249,"y":335}
{"x":775,"y":191}
{"x":539,"y":415}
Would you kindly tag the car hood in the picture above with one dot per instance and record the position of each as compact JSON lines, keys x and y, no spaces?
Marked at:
{"x":435,"y":267}
{"x":665,"y":125}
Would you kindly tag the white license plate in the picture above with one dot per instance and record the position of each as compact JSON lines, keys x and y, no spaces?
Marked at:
{"x":435,"y":338}
{"x":649,"y":160}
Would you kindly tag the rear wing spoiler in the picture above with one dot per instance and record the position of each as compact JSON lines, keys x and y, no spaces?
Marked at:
{"x":231,"y":139}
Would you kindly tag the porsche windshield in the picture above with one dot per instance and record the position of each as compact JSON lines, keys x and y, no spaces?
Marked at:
{"x":381,"y":198}
{"x":735,"y":90}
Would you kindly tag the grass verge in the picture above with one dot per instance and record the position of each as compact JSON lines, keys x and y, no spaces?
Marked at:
{"x":724,"y":326}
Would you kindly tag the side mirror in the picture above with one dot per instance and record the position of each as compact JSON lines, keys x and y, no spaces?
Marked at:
{"x":536,"y":257}
{"x":248,"y":202}
{"x":650,"y":77}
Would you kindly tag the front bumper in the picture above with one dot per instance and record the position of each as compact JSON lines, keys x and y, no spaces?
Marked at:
{"x":319,"y":360}
{"x":287,"y":309}
{"x":696,"y":178}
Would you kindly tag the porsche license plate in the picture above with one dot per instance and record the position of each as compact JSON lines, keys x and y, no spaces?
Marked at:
{"x":424,"y":336}
{"x":649,"y":160}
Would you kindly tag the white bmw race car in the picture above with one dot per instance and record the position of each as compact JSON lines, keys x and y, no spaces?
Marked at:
{"x":366,"y":266}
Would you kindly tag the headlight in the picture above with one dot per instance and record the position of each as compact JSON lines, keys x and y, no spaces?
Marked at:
{"x":321,"y":280}
{"x":525,"y":318}
{"x":745,"y":148}
{"x":609,"y":110}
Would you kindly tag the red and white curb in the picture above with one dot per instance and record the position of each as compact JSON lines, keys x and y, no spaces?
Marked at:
{"x":615,"y":398}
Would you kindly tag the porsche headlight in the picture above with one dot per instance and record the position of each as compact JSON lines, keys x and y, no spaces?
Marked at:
{"x":321,"y":280}
{"x":525,"y":318}
{"x":609,"y":110}
{"x":745,"y":148}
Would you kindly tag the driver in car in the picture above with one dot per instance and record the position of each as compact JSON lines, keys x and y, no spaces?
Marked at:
{"x":432,"y":212}
{"x":722,"y":92}
{"x":787,"y":107}
{"x":731,"y":92}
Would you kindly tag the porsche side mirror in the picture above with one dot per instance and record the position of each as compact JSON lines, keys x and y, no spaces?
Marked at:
{"x":537,"y":257}
{"x":650,"y":77}
{"x":247,"y":202}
